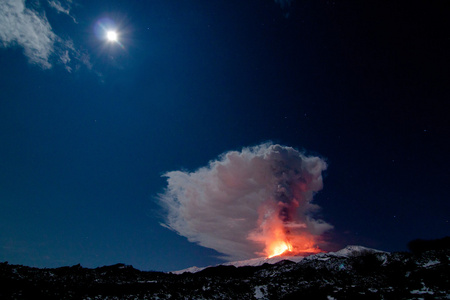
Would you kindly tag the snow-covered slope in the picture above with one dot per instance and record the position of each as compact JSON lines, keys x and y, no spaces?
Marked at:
{"x":351,"y":250}
{"x":254,"y":262}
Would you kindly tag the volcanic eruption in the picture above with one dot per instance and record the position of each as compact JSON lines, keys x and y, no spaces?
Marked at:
{"x":248,"y":203}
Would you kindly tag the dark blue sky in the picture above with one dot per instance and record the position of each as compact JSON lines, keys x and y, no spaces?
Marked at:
{"x":84,"y":142}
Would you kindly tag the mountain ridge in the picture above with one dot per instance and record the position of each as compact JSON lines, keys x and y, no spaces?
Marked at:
{"x":351,"y":273}
{"x":254,"y":262}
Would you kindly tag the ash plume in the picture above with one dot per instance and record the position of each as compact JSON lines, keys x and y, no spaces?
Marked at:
{"x":243,"y":202}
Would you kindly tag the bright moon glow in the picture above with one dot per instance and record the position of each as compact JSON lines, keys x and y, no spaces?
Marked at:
{"x":111,"y":36}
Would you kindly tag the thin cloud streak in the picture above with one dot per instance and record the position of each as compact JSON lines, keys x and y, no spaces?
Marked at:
{"x":64,"y":9}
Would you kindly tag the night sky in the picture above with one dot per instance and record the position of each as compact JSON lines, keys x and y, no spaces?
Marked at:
{"x":88,"y":127}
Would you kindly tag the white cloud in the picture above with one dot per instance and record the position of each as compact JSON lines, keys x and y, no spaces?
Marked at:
{"x":243,"y":201}
{"x":28,"y":28}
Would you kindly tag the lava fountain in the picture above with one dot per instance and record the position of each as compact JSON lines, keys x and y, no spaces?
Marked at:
{"x":278,"y":248}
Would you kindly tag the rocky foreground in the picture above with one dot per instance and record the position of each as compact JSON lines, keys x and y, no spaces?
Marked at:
{"x":356,"y":273}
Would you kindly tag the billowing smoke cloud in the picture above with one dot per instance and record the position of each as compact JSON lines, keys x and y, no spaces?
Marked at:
{"x":257,"y":202}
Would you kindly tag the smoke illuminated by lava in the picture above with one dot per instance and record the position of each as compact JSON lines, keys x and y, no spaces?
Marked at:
{"x":256,"y":202}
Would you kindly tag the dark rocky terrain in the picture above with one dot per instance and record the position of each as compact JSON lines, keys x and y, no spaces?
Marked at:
{"x":352,"y":273}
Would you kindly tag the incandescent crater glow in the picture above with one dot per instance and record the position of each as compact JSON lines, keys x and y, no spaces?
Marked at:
{"x":111,"y":36}
{"x":278,"y":248}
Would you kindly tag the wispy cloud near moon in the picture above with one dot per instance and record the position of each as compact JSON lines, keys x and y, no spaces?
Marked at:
{"x":62,"y":8}
{"x":30,"y":29}
{"x":244,"y":204}
{"x":26,"y":28}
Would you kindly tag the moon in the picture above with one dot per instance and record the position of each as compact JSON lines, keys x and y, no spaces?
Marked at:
{"x":111,"y":35}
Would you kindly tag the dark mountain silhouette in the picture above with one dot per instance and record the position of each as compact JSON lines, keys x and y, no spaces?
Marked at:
{"x":352,"y":273}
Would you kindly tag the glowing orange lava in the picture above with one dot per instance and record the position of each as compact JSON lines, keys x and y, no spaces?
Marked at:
{"x":281,"y":237}
{"x":293,"y":245}
{"x":278,"y":247}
